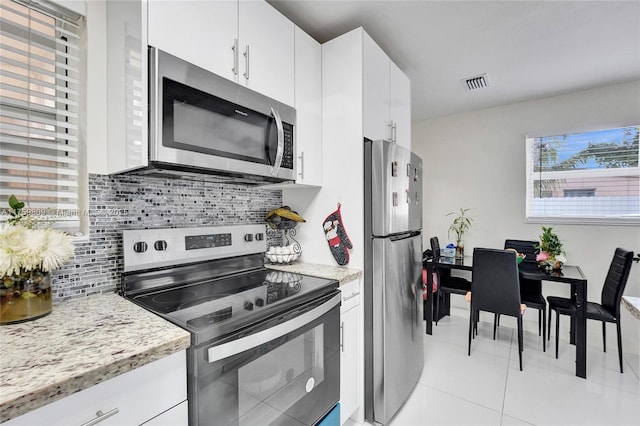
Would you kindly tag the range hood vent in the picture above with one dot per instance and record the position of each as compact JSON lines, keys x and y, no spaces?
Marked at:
{"x":476,"y":83}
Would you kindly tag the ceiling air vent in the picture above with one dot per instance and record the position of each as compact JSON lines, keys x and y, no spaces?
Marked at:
{"x":477,"y":82}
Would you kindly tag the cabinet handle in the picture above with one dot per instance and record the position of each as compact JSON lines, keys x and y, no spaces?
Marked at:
{"x":394,"y":130}
{"x":342,"y":336}
{"x":246,"y":60}
{"x":101,"y":416}
{"x":350,"y":296}
{"x":390,"y":126}
{"x":234,"y":48}
{"x":301,"y":157}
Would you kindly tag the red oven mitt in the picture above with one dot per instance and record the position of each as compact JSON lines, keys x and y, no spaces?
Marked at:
{"x":337,"y":237}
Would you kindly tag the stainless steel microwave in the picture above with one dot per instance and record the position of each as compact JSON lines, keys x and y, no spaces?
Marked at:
{"x":202,"y":122}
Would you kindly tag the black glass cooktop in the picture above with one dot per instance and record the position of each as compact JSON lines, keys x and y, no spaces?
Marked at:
{"x":218,"y":306}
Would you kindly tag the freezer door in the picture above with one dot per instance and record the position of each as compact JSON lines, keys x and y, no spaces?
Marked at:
{"x":398,"y":354}
{"x":396,"y":188}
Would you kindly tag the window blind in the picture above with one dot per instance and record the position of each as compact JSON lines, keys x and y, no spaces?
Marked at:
{"x":39,"y":112}
{"x":589,"y":177}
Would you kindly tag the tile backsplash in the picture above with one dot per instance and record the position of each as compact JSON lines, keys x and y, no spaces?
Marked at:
{"x":138,"y":202}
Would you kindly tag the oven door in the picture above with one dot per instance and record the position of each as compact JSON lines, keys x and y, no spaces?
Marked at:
{"x":284,"y":372}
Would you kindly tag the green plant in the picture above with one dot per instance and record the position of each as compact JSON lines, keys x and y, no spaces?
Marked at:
{"x":461,"y":223}
{"x":550,"y":243}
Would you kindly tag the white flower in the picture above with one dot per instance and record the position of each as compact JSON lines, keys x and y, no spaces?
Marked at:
{"x":57,"y":250}
{"x":560,"y":258}
{"x":28,"y":249}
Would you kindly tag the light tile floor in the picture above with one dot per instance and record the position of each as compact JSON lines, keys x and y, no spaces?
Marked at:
{"x":487,"y":388}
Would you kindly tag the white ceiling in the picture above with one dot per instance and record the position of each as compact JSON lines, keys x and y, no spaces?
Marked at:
{"x":529,"y":49}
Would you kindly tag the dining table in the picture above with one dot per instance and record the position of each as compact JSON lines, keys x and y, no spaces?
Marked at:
{"x":570,"y":275}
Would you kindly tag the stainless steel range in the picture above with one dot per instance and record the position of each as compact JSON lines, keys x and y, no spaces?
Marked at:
{"x":265,"y":345}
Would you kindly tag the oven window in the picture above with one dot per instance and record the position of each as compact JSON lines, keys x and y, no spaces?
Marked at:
{"x":279,"y":378}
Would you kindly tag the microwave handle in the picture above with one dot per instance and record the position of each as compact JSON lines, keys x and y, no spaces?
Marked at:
{"x":280,"y":151}
{"x":234,"y":347}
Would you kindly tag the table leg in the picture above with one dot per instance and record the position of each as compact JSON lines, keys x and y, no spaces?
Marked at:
{"x":581,"y":329}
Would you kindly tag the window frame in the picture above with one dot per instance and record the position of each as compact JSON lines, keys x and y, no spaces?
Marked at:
{"x":531,"y":175}
{"x":65,"y":23}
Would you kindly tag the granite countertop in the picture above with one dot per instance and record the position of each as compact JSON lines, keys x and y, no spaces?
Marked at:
{"x":340,"y":273}
{"x":81,"y":343}
{"x":632,"y":304}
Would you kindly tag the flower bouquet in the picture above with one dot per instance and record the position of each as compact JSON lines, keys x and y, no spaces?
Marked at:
{"x":551,"y":255}
{"x":28,"y":253}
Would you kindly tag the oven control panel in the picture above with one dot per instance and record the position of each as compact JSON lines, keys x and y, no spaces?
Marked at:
{"x":151,"y":248}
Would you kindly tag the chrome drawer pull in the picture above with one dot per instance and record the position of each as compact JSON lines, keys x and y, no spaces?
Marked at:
{"x":350,"y":297}
{"x":101,"y":416}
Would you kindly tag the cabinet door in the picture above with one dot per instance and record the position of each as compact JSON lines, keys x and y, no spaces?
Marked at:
{"x":200,"y":32}
{"x":131,"y":398}
{"x":349,"y":323}
{"x":266,"y":40}
{"x":375,"y":91}
{"x":308,"y":103}
{"x":400,"y":105}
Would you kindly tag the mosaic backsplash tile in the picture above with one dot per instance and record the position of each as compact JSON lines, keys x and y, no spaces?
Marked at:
{"x":140,"y":202}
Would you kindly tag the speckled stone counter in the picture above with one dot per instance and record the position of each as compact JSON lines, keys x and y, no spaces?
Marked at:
{"x":343,"y":275}
{"x":632,"y":304}
{"x":81,"y":343}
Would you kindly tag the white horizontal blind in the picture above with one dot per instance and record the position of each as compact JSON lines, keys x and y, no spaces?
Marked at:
{"x":590,"y":177}
{"x":39,"y":107}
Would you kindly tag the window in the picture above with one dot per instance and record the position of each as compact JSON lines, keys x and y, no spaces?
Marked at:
{"x":590,"y":177}
{"x":40,"y":152}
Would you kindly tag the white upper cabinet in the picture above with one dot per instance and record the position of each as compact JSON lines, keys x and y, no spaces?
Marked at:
{"x":247,"y":41}
{"x":308,"y":104}
{"x":400,"y":105}
{"x":387,"y":97}
{"x":266,"y":50}
{"x":200,"y":32}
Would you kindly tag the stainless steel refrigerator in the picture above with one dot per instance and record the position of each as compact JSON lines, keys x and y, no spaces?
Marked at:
{"x":394,"y":355}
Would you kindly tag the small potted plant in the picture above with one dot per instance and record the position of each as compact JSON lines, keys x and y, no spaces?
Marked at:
{"x":551,"y":254}
{"x":461,"y":223}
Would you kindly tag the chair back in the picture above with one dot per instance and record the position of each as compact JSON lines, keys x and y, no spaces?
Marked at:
{"x":525,"y":247}
{"x":435,"y":246}
{"x":616,"y":280}
{"x":495,"y":286}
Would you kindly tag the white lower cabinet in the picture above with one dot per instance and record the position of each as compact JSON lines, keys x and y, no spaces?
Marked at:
{"x":155,"y":393}
{"x":351,"y":361}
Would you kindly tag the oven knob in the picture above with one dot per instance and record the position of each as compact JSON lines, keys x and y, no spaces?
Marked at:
{"x":248,"y":306}
{"x":259,"y":236}
{"x":160,"y":245}
{"x":140,"y":247}
{"x":248,"y":237}
{"x":259,"y":302}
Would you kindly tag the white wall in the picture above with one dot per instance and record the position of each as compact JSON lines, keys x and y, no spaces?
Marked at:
{"x":476,"y":160}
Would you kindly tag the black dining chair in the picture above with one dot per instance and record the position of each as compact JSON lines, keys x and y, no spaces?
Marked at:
{"x":495,"y":288}
{"x":531,"y":290}
{"x":447,"y":284}
{"x":608,"y":310}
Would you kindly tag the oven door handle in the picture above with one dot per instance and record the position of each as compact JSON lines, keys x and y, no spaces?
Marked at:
{"x":234,"y":347}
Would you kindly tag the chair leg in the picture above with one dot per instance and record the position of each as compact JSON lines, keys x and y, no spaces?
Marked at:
{"x":544,"y":330}
{"x":619,"y":343}
{"x":549,"y":325}
{"x":604,"y":336}
{"x":520,"y":340}
{"x":438,"y":305}
{"x":471,"y":325}
{"x":539,"y":323}
{"x":557,"y":331}
{"x":496,"y":320}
